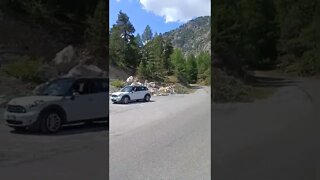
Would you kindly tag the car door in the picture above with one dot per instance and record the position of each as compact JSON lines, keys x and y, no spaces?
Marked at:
{"x":140,"y":92}
{"x":99,"y":89}
{"x":79,"y":107}
{"x":134,"y":95}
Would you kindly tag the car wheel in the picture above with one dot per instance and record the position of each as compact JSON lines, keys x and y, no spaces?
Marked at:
{"x":125,"y":100}
{"x":147,"y":98}
{"x":51,"y":122}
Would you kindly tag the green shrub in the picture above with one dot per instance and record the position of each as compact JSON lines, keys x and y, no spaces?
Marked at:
{"x":25,"y":69}
{"x":118,"y":83}
{"x":228,"y":89}
{"x":309,"y":64}
{"x":180,"y":89}
{"x":171,"y":79}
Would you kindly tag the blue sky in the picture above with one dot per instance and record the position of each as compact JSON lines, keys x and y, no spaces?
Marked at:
{"x":161,"y":15}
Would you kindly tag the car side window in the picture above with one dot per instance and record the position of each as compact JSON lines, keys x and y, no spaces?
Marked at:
{"x":96,"y":86}
{"x":104,"y":85}
{"x":81,"y":86}
{"x":99,"y":85}
{"x":84,"y":88}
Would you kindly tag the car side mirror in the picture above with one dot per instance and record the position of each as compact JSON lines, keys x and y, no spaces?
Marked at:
{"x":74,"y":95}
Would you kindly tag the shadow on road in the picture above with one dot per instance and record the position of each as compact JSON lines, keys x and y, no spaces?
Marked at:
{"x":135,"y":102}
{"x":71,"y":129}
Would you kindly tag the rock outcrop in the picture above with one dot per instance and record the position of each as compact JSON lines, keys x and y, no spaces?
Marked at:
{"x":65,"y":60}
{"x":86,"y":70}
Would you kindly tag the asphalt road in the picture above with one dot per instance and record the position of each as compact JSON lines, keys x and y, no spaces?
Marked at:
{"x":272,"y":139}
{"x":76,"y":152}
{"x":168,"y":138}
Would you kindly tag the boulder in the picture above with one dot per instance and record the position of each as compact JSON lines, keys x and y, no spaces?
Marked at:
{"x":86,"y":70}
{"x":162,"y":91}
{"x":65,"y":59}
{"x":136,"y":84}
{"x":153,"y":91}
{"x":129,"y":79}
{"x":151,"y":84}
{"x":85,"y":58}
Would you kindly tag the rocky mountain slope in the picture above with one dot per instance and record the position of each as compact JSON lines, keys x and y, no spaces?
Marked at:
{"x":193,"y":36}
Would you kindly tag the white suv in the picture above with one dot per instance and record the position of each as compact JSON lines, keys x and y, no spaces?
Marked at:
{"x":61,"y":101}
{"x":131,"y":93}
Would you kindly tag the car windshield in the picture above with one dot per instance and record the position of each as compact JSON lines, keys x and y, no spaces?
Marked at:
{"x":126,"y":89}
{"x":59,"y":87}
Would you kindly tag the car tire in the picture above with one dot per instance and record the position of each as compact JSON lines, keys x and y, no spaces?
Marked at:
{"x":50,"y":121}
{"x":125,"y":99}
{"x":147,"y":98}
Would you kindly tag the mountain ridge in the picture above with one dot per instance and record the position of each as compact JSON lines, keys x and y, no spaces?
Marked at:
{"x":193,"y":36}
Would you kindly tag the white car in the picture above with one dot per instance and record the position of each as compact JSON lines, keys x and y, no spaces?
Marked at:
{"x":131,"y":93}
{"x":61,"y":101}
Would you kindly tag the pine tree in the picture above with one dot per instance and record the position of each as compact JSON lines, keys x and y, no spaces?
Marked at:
{"x":123,"y":50}
{"x":191,"y":69}
{"x":96,"y":33}
{"x":155,"y":35}
{"x":178,"y":62}
{"x":139,"y":40}
{"x":167,"y":51}
{"x":203,"y":65}
{"x":125,"y":26}
{"x":142,"y":69}
{"x":147,"y":35}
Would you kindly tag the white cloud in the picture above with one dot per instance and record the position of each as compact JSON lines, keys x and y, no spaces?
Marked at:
{"x":118,"y":0}
{"x":178,"y":10}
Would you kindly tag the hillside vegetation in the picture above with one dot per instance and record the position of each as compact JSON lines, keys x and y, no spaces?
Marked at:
{"x":153,"y":56}
{"x":266,"y":35}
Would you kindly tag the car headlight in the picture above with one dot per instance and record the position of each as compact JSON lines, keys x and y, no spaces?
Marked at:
{"x":117,"y":95}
